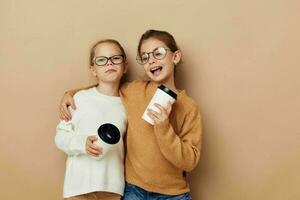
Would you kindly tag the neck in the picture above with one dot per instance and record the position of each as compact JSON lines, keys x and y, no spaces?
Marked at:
{"x":170,"y":83}
{"x":110,"y":89}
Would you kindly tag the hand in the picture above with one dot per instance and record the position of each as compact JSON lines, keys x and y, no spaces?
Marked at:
{"x":65,"y":102}
{"x":91,"y":148}
{"x":162,"y":116}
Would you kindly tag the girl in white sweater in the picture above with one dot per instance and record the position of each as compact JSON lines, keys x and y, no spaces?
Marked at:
{"x":94,"y":172}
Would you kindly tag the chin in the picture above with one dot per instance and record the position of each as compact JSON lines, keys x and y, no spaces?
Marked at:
{"x":111,"y":80}
{"x":157,"y":79}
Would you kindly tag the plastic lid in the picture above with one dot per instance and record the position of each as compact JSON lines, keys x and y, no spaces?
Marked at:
{"x":168,"y":91}
{"x":109,"y":133}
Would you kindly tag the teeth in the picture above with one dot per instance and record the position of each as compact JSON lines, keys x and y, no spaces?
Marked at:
{"x":155,"y":68}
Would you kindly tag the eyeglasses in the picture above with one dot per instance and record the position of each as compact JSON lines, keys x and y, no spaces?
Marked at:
{"x":158,"y":53}
{"x":103,"y":60}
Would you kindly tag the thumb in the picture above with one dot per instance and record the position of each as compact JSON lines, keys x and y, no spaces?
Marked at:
{"x":72,"y":104}
{"x":93,"y":138}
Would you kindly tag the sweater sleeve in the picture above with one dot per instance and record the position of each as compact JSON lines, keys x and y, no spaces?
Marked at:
{"x":183,"y":149}
{"x":66,"y":138}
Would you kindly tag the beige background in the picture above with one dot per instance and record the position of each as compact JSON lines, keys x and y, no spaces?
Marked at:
{"x":241,"y":64}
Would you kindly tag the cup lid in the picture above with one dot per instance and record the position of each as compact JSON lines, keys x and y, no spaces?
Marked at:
{"x":109,"y":133}
{"x":168,"y":91}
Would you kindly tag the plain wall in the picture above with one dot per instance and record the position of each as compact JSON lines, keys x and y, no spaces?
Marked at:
{"x":241,"y":64}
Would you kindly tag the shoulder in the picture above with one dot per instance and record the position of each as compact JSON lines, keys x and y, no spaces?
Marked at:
{"x":83,"y":95}
{"x":133,"y":84}
{"x":188,"y":104}
{"x":136,"y":85}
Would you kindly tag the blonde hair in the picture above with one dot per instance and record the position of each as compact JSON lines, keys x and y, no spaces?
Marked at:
{"x":93,"y":80}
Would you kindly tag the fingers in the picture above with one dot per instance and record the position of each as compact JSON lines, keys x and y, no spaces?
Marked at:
{"x":91,"y":148}
{"x":64,"y":113}
{"x":153,"y":114}
{"x":66,"y":101}
{"x":93,"y":152}
{"x":166,"y":110}
{"x":92,"y":138}
{"x":72,"y":103}
{"x":162,"y":115}
{"x":161,"y":109}
{"x":157,"y":117}
{"x":90,"y":143}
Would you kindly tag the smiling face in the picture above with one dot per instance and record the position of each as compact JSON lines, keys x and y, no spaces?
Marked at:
{"x":109,"y":72}
{"x":160,"y":71}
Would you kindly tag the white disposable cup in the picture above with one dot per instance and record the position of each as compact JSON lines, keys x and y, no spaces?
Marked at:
{"x":162,"y":96}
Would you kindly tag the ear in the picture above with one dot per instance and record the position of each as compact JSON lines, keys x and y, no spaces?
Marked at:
{"x":125,"y":67}
{"x":176,"y":57}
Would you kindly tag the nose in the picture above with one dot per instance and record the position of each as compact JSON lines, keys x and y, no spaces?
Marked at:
{"x":109,"y":62}
{"x":151,"y":59}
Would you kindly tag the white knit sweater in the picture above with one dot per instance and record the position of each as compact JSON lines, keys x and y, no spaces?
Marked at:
{"x":85,"y":174}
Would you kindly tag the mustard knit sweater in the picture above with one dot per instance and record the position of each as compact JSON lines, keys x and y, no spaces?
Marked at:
{"x":158,"y":157}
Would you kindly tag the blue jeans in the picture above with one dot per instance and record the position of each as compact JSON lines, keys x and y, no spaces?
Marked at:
{"x":133,"y":192}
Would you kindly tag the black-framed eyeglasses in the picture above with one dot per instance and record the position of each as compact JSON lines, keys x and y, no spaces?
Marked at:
{"x":103,"y":60}
{"x":158,"y":53}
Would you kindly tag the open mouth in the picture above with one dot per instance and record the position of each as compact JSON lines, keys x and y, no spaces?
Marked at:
{"x":156,"y":70}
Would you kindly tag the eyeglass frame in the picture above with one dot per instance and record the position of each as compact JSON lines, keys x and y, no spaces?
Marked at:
{"x":109,"y":58}
{"x":138,"y":57}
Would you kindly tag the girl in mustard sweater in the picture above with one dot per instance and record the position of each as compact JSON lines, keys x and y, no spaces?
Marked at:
{"x":158,"y":156}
